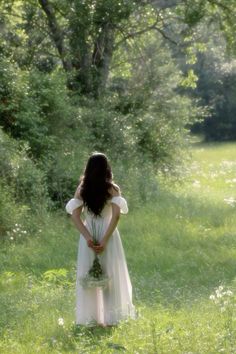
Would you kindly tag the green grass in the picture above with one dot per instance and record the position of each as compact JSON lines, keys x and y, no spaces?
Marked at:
{"x":178,"y":249}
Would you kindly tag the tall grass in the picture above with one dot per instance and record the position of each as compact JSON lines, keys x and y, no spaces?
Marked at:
{"x":180,"y":249}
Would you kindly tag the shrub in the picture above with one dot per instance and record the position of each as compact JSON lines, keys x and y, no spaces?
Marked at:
{"x":20,"y":174}
{"x":11,"y":213}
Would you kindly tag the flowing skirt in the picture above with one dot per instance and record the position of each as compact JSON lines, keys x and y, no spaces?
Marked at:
{"x":114,"y":303}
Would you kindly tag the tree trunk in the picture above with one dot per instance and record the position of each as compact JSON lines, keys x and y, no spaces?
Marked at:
{"x":56,"y":33}
{"x":102,"y":55}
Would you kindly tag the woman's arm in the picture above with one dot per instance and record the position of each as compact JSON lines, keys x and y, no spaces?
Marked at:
{"x":111,"y":227}
{"x":76,"y":217}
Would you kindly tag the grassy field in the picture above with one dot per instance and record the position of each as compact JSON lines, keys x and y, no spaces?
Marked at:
{"x":181,"y":254}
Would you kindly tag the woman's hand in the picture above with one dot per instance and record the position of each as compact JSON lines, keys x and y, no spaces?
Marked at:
{"x":90,"y":243}
{"x":101,"y":247}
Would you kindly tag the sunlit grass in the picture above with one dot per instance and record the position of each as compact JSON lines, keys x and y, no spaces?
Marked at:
{"x":179,"y":250}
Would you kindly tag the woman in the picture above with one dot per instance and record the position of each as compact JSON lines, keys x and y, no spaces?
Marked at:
{"x":101,"y":202}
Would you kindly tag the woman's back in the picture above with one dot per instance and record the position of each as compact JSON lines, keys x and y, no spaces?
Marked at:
{"x":98,"y":200}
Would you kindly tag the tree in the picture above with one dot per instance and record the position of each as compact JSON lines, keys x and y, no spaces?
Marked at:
{"x":85,"y":34}
{"x":217,"y":89}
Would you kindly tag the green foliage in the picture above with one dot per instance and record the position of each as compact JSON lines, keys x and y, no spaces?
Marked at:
{"x":110,"y":132}
{"x":8,"y":106}
{"x":21,"y":175}
{"x":194,"y":12}
{"x":216,"y":88}
{"x":221,"y":126}
{"x":56,"y":277}
{"x":190,"y":80}
{"x":11,"y":213}
{"x":80,"y":76}
{"x":43,"y":108}
{"x":157,"y":114}
{"x":63,"y":168}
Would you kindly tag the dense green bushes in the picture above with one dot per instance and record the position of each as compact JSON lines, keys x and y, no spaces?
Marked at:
{"x":11,"y":213}
{"x":35,"y":106}
{"x":48,"y":130}
{"x":140,"y":125}
{"x":216,"y":87}
{"x":20,"y":173}
{"x":23,"y":186}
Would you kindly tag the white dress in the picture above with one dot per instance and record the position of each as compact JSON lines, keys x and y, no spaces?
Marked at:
{"x":115,"y":301}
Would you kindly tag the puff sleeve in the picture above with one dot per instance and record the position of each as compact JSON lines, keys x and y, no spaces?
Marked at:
{"x":73,"y":204}
{"x":122,"y":204}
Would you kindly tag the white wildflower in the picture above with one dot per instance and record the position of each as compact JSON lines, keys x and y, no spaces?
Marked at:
{"x":177,"y":216}
{"x":230,"y":201}
{"x":212,"y":297}
{"x":60,"y":321}
{"x":227,"y":163}
{"x":196,"y":183}
{"x":54,"y":341}
{"x":229,"y":293}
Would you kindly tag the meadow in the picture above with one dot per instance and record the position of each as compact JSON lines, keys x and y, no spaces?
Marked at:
{"x":181,"y":255}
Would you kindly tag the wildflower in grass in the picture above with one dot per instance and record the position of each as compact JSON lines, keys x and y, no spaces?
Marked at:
{"x":230,"y":201}
{"x":227,"y":163}
{"x":229,"y":293}
{"x":196,"y":183}
{"x":223,"y":298}
{"x":207,"y":229}
{"x":17,"y":232}
{"x":60,"y":321}
{"x":213,"y":175}
{"x":53,"y":341}
{"x":230,"y":180}
{"x":218,"y":294}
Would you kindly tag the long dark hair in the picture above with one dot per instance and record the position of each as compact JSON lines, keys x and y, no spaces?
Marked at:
{"x":96,"y":182}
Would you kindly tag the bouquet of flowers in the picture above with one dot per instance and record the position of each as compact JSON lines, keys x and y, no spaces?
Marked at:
{"x":95,"y":276}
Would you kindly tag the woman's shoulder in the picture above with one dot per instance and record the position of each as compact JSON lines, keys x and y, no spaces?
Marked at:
{"x":114,"y":190}
{"x":78,"y":191}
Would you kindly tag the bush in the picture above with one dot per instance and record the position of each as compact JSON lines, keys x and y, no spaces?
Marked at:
{"x":35,"y":106}
{"x":20,"y":174}
{"x":99,"y":127}
{"x":11,"y":213}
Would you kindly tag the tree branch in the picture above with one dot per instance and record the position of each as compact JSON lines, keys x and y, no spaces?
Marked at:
{"x":135,"y":34}
{"x":147,"y":29}
{"x":165,"y":35}
{"x":56,"y":33}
